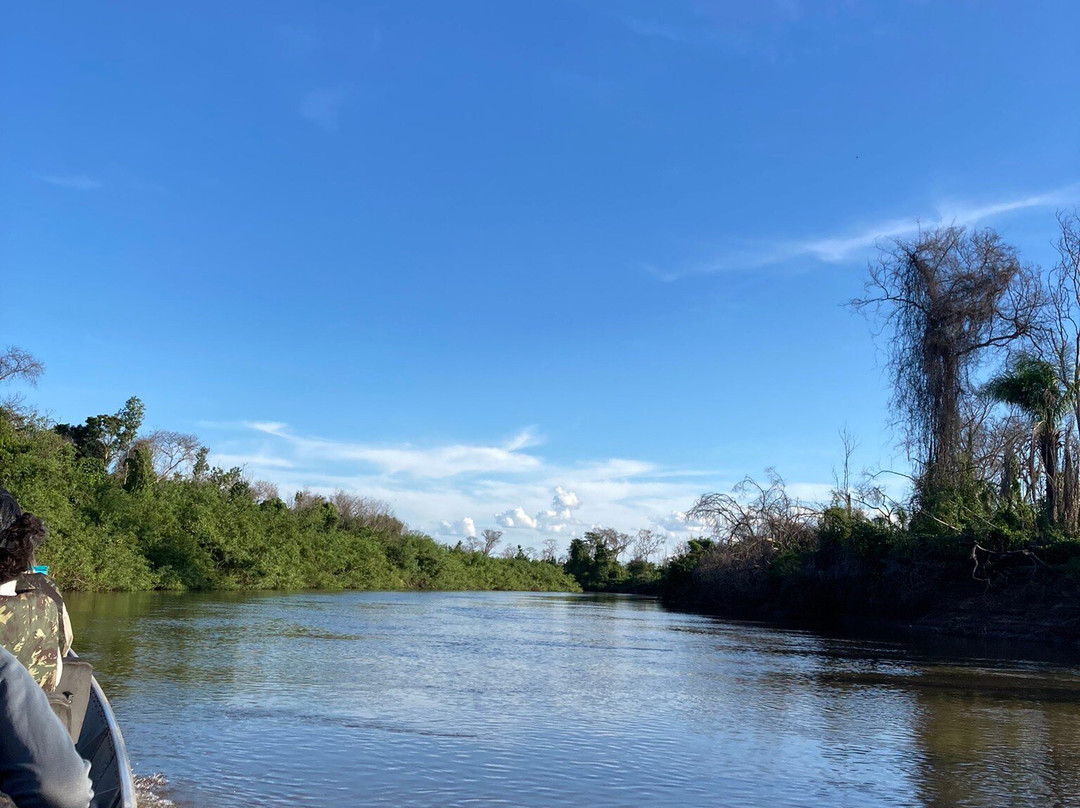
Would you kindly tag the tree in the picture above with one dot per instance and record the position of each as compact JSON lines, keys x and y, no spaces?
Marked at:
{"x":647,"y":544}
{"x":106,"y":437}
{"x":616,"y":543}
{"x":842,"y":480}
{"x":1061,"y":325}
{"x":756,"y":521}
{"x":490,"y":538}
{"x":947,"y":295}
{"x":305,"y":500}
{"x":550,"y":551}
{"x":170,"y":452}
{"x":366,"y":513}
{"x":592,"y":560}
{"x":1032,"y":386}
{"x":138,"y":469}
{"x":15,"y":363}
{"x":264,"y":491}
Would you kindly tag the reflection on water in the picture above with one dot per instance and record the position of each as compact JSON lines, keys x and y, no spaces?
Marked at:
{"x":453,"y":699}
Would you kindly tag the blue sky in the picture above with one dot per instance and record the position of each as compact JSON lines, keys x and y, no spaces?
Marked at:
{"x":550,"y":264}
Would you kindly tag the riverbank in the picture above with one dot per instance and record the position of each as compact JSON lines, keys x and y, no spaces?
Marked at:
{"x":1033,"y":605}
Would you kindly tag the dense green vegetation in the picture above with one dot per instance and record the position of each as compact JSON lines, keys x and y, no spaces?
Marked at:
{"x":127,"y":511}
{"x":986,"y":375}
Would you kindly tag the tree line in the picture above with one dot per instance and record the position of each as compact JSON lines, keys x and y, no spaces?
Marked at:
{"x":128,"y":509}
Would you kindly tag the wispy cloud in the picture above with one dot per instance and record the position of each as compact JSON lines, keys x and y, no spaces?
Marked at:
{"x":457,"y":488}
{"x":653,"y":28}
{"x":742,"y":27}
{"x":225,"y":461}
{"x":854,"y":244}
{"x":323,"y":107}
{"x":74,"y":182}
{"x":434,"y":462}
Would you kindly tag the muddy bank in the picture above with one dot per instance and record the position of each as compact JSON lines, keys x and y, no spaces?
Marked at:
{"x":1029,"y":606}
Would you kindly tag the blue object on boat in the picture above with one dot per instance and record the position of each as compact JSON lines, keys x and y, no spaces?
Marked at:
{"x":42,"y":568}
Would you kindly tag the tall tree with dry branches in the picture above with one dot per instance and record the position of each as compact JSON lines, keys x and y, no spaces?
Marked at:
{"x":946,"y":297}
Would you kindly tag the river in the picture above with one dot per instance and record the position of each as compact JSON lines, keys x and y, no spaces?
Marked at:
{"x":520,"y":699}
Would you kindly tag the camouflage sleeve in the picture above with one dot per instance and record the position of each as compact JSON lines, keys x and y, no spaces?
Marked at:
{"x":29,"y":628}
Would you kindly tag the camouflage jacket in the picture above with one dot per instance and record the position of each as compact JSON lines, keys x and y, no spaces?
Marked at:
{"x":30,"y":628}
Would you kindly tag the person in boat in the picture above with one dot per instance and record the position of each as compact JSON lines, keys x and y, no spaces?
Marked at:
{"x":34,"y":624}
{"x":39,"y":767}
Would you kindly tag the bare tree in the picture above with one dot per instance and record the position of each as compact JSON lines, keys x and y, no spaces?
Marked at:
{"x":550,"y":550}
{"x":305,"y":500}
{"x":647,"y":544}
{"x":509,"y":552}
{"x":15,"y":363}
{"x":490,"y":538}
{"x":264,"y":491}
{"x":1061,"y":346}
{"x":472,"y":544}
{"x":947,"y":295}
{"x":171,"y":452}
{"x":842,"y":479}
{"x":757,"y":517}
{"x":612,"y":539}
{"x":366,"y":513}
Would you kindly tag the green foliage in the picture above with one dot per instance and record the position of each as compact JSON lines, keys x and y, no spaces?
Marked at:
{"x":848,"y":532}
{"x":138,"y":470}
{"x":106,"y":437}
{"x":678,"y":573}
{"x":1031,"y":385}
{"x":593,"y":563}
{"x":114,"y":526}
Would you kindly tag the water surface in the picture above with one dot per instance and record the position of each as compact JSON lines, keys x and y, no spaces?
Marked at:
{"x":521,"y":699}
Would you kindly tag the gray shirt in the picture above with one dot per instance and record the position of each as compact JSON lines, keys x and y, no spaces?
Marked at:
{"x":39,"y":767}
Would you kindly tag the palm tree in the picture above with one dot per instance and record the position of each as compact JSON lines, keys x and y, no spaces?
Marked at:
{"x":1032,"y":386}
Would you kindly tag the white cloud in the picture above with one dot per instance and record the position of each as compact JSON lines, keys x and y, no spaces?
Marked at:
{"x":226,"y":461}
{"x":515,"y":517}
{"x":323,"y":107}
{"x":677,"y":522}
{"x":565,"y":500}
{"x":462,"y":527}
{"x":75,"y":182}
{"x":836,"y":249}
{"x":431,"y":462}
{"x":525,"y":439}
{"x":616,"y":468}
{"x":270,"y":427}
{"x":559,"y":518}
{"x":549,"y":522}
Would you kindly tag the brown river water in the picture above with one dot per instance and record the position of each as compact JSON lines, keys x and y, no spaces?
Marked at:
{"x":522,"y":699}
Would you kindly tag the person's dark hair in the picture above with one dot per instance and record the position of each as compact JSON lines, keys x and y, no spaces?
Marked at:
{"x":20,"y":533}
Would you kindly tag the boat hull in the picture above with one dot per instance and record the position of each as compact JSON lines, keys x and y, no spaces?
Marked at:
{"x":101,"y":743}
